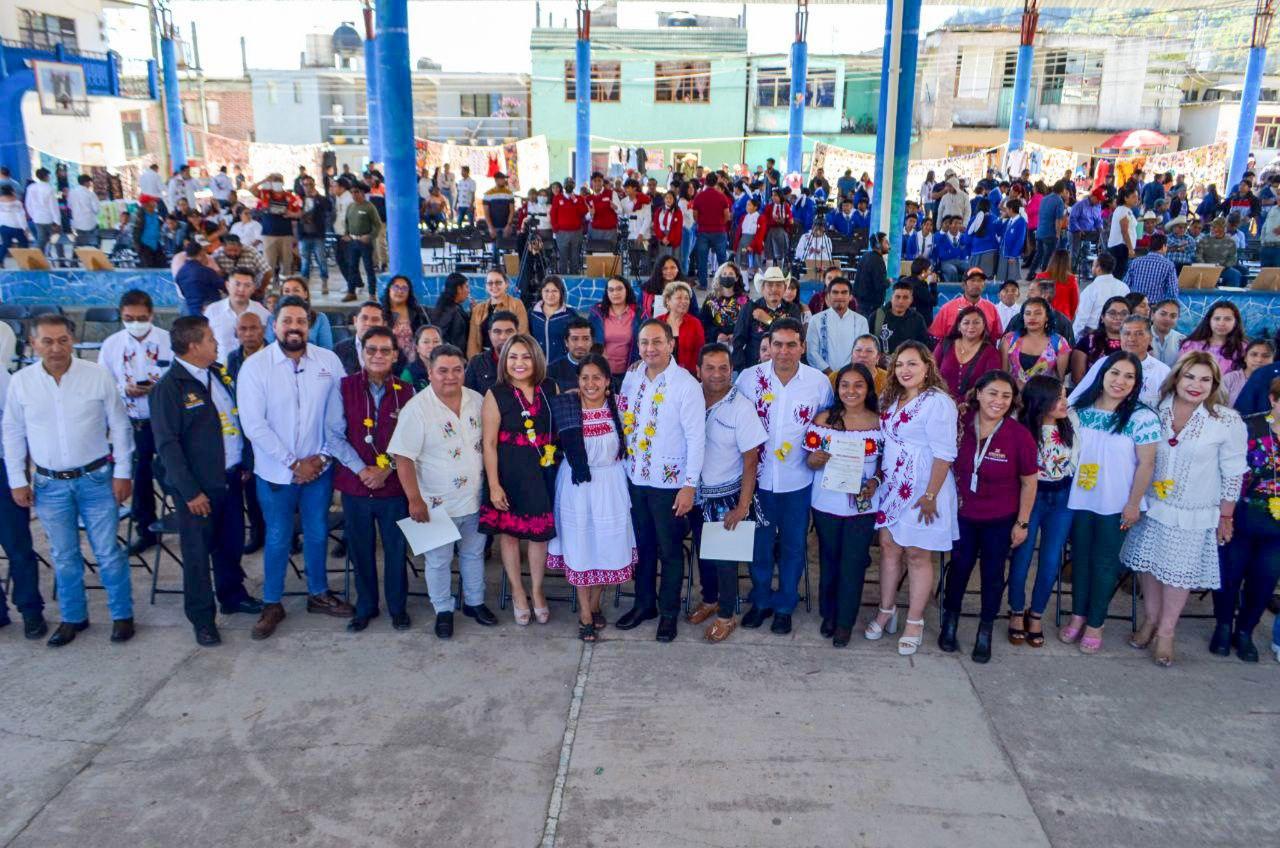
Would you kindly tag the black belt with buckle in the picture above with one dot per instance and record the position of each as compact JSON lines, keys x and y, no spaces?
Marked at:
{"x":74,"y":473}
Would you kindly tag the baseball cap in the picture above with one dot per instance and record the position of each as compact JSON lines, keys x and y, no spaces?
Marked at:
{"x":975,"y":271}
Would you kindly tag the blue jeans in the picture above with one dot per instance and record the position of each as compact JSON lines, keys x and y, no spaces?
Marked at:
{"x":1052,"y":521}
{"x":1229,"y":277}
{"x":686,"y":248}
{"x":312,"y":250}
{"x":717,"y":242}
{"x":280,"y":503}
{"x":10,"y":236}
{"x":1045,"y":246}
{"x":466,"y":212}
{"x":1268,"y":255}
{"x":59,"y":503}
{"x":88,"y":238}
{"x":788,"y":517}
{"x":15,"y":539}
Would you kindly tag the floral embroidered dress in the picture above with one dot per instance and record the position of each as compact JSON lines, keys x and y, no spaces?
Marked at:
{"x":841,"y":503}
{"x":529,"y":485}
{"x":595,"y":543}
{"x":1107,"y":461}
{"x":1025,"y":366}
{"x":915,"y":434}
{"x":1196,"y":470}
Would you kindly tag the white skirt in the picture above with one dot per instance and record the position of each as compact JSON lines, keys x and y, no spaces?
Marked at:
{"x":1180,"y":557}
{"x":595,"y":543}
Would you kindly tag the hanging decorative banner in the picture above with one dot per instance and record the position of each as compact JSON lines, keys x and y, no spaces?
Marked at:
{"x":970,"y":167}
{"x":834,"y":161}
{"x":1044,"y":163}
{"x":535,"y":162}
{"x":525,"y":162}
{"x":1200,"y":165}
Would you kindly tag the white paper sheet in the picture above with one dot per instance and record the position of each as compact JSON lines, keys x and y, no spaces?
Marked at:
{"x":843,"y":471}
{"x":736,"y":545}
{"x":428,"y":535}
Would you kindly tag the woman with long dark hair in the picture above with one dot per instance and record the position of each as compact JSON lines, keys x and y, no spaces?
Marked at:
{"x":1118,"y":436}
{"x":1037,"y":349}
{"x":1102,"y":341}
{"x":845,"y":521}
{"x":1066,"y":291}
{"x":967,"y":352}
{"x":450,"y":312}
{"x":665,"y":272}
{"x":1221,"y":333}
{"x":1052,"y":424}
{"x":403,"y":314}
{"x":615,"y":323}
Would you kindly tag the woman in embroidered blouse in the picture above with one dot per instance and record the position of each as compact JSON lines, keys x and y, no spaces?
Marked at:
{"x":1200,"y":463}
{"x":845,"y":522}
{"x":1053,"y":425}
{"x":1259,"y":352}
{"x":1117,"y":436}
{"x":967,"y":352}
{"x":1035,"y":350}
{"x":1102,"y":341}
{"x":678,"y":297}
{"x":595,"y":543}
{"x":917,"y":496}
{"x":720,"y":311}
{"x":1250,"y":563}
{"x":615,"y":320}
{"x":1221,"y":333}
{"x":519,"y":467}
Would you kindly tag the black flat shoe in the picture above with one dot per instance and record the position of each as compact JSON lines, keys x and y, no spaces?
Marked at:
{"x":247,"y":604}
{"x":34,"y":627}
{"x":339,"y":550}
{"x":207,"y":635}
{"x":444,"y":625}
{"x":66,"y":632}
{"x":359,"y":623}
{"x":841,"y":637}
{"x":481,"y":613}
{"x":781,"y":624}
{"x":400,"y":621}
{"x":666,"y":629}
{"x":1220,"y":643}
{"x":635,"y":617}
{"x":755,"y":617}
{"x":1245,"y":649}
{"x":122,"y":630}
{"x":828,"y":628}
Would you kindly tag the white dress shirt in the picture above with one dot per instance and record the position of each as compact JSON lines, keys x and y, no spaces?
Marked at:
{"x":149,"y":182}
{"x":249,"y":233}
{"x":223,"y":320}
{"x":135,"y":360}
{"x":66,"y":424}
{"x":180,"y":189}
{"x":1092,"y":296}
{"x":8,"y":346}
{"x":12,"y":214}
{"x":221,"y":186}
{"x":733,"y":428}
{"x":4,"y":391}
{"x":831,"y":336}
{"x":1153,"y":373}
{"x":445,"y":449}
{"x":284,"y":404}
{"x":42,"y":203}
{"x":84,"y":205}
{"x":786,"y":412}
{"x":667,"y":420}
{"x":228,"y":414}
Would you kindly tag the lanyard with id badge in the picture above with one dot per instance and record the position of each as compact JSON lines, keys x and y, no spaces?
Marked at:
{"x":980,"y":451}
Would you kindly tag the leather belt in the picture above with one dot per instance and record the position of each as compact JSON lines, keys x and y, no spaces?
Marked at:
{"x":74,"y":473}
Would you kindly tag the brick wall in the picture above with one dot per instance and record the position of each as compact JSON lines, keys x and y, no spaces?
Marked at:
{"x":233,"y":113}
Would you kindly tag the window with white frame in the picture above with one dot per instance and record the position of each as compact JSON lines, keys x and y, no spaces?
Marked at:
{"x":606,"y":81}
{"x":682,"y":82}
{"x":1071,"y":78}
{"x":975,"y":74}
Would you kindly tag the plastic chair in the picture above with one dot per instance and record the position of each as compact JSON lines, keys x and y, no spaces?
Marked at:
{"x":99,"y":315}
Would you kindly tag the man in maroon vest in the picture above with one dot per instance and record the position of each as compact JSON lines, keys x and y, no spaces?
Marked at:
{"x":365,"y":475}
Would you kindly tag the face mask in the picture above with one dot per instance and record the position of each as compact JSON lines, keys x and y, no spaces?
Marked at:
{"x":138,"y":329}
{"x":277,"y":186}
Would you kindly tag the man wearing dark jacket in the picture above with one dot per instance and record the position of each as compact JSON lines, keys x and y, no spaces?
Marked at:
{"x":200,"y":285}
{"x":872,"y":278}
{"x":754,"y":321}
{"x":349,"y":351}
{"x":201,"y":451}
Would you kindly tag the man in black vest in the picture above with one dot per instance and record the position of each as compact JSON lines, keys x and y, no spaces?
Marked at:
{"x":202,"y":454}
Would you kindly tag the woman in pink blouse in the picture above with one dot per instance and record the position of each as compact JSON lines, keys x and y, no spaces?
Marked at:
{"x":1221,"y":333}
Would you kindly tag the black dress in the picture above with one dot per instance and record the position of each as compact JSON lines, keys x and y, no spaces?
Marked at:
{"x":530,"y":486}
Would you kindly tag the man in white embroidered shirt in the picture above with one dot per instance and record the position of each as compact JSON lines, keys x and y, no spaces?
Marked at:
{"x":787,"y":395}
{"x":137,"y":357}
{"x":66,"y":415}
{"x":284,"y":392}
{"x":664,"y":425}
{"x":833,"y":331}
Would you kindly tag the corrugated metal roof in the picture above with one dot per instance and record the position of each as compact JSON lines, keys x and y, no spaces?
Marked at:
{"x":664,"y":39}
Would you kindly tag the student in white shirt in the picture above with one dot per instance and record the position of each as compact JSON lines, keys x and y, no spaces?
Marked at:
{"x":222,"y":188}
{"x":248,"y":230}
{"x":42,"y":208}
{"x":149,"y":182}
{"x":465,"y":207}
{"x":137,"y":357}
{"x":787,"y":395}
{"x":1103,"y":287}
{"x":832,"y":332}
{"x":664,"y":426}
{"x":225,"y":314}
{"x":84,"y":206}
{"x":15,"y":540}
{"x":285,"y":392}
{"x":66,"y":416}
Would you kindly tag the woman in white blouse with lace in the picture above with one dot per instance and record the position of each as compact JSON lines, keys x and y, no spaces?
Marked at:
{"x":1200,"y":463}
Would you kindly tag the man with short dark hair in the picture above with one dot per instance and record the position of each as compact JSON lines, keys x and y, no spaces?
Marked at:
{"x":251,"y":333}
{"x":313,"y":223}
{"x":832,"y":331}
{"x":41,"y":200}
{"x":363,"y":224}
{"x":1152,"y":274}
{"x":349,"y":351}
{"x":83,"y":205}
{"x":199,"y":284}
{"x":232,"y":254}
{"x":578,"y":341}
{"x":65,"y":414}
{"x":482,"y":369}
{"x":897,"y":322}
{"x":711,"y":211}
{"x":224,"y":314}
{"x":871,"y":280}
{"x":203,"y":457}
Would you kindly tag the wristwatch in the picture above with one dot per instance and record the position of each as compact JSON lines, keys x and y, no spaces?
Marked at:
{"x":1021,"y":525}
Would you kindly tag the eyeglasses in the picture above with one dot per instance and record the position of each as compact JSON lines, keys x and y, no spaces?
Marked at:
{"x":379,"y":351}
{"x":400,"y":288}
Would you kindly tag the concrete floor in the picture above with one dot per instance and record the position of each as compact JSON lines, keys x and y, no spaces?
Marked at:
{"x":526,"y":737}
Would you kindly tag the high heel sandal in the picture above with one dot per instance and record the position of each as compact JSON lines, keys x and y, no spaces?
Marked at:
{"x":1162,"y":653}
{"x":908,"y":645}
{"x":875,"y":630}
{"x":543,"y":614}
{"x":522,"y":615}
{"x":598,"y":621}
{"x":586,"y":632}
{"x":1034,"y":639}
{"x":1091,"y":644}
{"x":1071,"y":632}
{"x":1142,"y":639}
{"x":1017,"y":635}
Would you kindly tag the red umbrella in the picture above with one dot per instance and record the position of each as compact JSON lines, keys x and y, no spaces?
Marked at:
{"x":1131,"y":139}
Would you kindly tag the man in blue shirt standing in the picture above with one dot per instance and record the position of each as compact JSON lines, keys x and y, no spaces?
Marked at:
{"x":1052,"y":224}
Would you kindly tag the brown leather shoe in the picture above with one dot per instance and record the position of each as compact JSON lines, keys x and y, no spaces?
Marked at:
{"x":702,"y":612}
{"x":719,"y":630}
{"x":272,"y":615}
{"x":330,"y":604}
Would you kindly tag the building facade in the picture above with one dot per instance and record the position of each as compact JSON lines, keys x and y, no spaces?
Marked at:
{"x":1211,"y":111}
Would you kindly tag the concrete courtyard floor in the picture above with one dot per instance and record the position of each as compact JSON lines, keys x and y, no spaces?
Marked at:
{"x":523,"y":737}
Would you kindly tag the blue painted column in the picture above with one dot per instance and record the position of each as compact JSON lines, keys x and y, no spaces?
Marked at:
{"x":13,"y":131}
{"x":795,"y":126}
{"x":893,"y":127}
{"x":395,"y":113}
{"x":582,"y":98}
{"x":371,"y":99}
{"x":1022,"y":76}
{"x":1248,"y":115}
{"x":172,"y":104}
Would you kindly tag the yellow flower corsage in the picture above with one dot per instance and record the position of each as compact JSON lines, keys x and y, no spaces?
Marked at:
{"x":629,"y":418}
{"x":1087,"y":476}
{"x":781,"y":452}
{"x":768,"y":397}
{"x":548,"y":456}
{"x":643,"y":444}
{"x":383,"y":461}
{"x":395,"y":386}
{"x":1162,"y":488}
{"x":368,"y":422}
{"x":627,"y":430}
{"x":659,"y":397}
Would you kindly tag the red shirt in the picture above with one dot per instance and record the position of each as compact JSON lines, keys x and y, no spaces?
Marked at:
{"x":1012,"y":455}
{"x":567,"y":212}
{"x":668,"y":223}
{"x":603,"y":215}
{"x":689,"y":343}
{"x":1066,"y":296}
{"x":711,"y":209}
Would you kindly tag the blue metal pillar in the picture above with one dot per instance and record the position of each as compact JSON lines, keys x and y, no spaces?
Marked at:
{"x":13,"y":131}
{"x":371,"y":87}
{"x":893,"y":128}
{"x":395,"y":107}
{"x":1262,"y":18}
{"x":799,"y":71}
{"x":172,"y":101}
{"x":582,"y":97}
{"x":1022,"y":76}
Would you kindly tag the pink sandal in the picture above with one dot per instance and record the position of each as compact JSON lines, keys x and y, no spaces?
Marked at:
{"x":1071,"y":632}
{"x":1090,"y":644}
